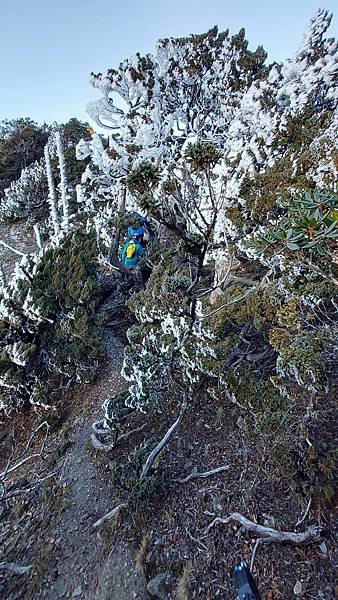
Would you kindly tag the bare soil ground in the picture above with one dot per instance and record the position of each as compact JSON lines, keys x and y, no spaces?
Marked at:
{"x":170,"y":524}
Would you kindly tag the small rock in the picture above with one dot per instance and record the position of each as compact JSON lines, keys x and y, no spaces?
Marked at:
{"x":297,"y":590}
{"x":241,"y":451}
{"x":240,"y":422}
{"x":77,"y":592}
{"x":323,"y":548}
{"x":269,"y":521}
{"x":156,"y":586}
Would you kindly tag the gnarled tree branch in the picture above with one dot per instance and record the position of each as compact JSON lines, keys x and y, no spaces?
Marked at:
{"x":267,"y":533}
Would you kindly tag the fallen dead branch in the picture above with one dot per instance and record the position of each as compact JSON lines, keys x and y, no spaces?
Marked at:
{"x":113,"y":513}
{"x":128,"y":434}
{"x":268,"y":534}
{"x":99,"y":429}
{"x":252,"y":562}
{"x":163,"y":442}
{"x":15,"y":462}
{"x":14,"y":568}
{"x":196,"y":474}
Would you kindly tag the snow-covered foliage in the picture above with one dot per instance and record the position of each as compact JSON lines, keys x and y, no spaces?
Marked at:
{"x":212,"y":89}
{"x":47,"y":320}
{"x":100,"y":184}
{"x":25,"y":194}
{"x":47,"y":308}
{"x":272,"y":129}
{"x":168,"y":345}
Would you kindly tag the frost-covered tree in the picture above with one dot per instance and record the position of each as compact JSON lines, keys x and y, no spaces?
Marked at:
{"x":212,"y":89}
{"x":49,"y":333}
{"x":272,"y":131}
{"x":48,"y":330}
{"x":21,"y":143}
{"x":27,"y":191}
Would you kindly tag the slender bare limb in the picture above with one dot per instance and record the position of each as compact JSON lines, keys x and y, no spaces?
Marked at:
{"x":113,"y":513}
{"x":164,"y":441}
{"x":196,"y":540}
{"x":300,"y":521}
{"x":195,"y":474}
{"x":10,"y":467}
{"x":311,"y":534}
{"x":258,"y":542}
{"x":227,"y":304}
{"x":16,"y":569}
{"x":18,"y":252}
{"x":30,"y":488}
{"x":126,"y":435}
{"x":317,"y":270}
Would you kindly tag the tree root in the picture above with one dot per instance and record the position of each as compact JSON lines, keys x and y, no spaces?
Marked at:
{"x":99,"y":429}
{"x":105,"y":446}
{"x":163,"y":442}
{"x":195,"y":474}
{"x":16,"y":569}
{"x":268,"y":534}
{"x":113,"y":513}
{"x":98,"y":445}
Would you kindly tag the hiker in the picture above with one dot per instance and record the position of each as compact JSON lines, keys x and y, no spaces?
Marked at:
{"x":132,"y":250}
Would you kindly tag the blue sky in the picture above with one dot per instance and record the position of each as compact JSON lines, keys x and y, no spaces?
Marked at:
{"x":48,"y":48}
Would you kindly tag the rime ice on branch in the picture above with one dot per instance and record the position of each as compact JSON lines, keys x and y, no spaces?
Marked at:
{"x":52,"y":193}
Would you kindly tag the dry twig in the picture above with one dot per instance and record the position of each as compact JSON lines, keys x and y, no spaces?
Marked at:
{"x":301,"y":519}
{"x":113,"y":513}
{"x":15,"y":463}
{"x":196,"y":474}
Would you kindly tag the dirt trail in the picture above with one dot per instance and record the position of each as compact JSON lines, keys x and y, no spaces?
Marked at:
{"x":87,"y":566}
{"x":71,"y":559}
